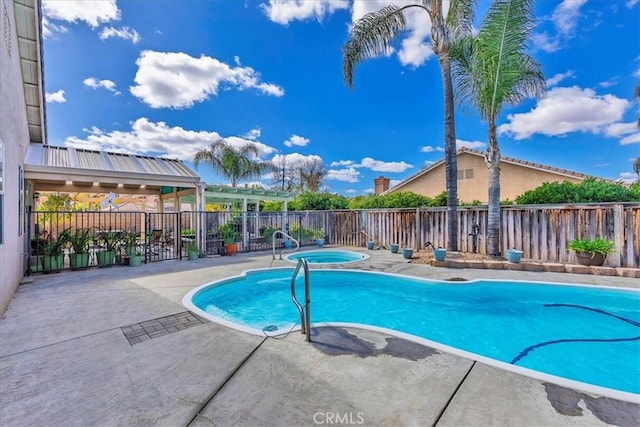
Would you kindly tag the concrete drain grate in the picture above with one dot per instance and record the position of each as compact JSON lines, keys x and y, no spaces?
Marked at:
{"x":154,"y":328}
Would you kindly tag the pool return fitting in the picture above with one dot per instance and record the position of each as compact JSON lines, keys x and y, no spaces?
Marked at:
{"x":305,"y":315}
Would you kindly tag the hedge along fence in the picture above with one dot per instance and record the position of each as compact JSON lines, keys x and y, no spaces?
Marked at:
{"x":542,"y":232}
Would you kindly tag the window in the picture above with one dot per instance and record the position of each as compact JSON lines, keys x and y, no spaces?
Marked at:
{"x":460,"y":174}
{"x":2,"y":186}
{"x":468,"y":174}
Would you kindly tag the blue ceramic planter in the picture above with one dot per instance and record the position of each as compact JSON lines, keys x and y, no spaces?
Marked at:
{"x":439,"y":254}
{"x":514,"y":255}
{"x":394,"y":248}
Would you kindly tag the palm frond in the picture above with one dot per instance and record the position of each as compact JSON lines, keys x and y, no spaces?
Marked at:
{"x":371,"y":36}
{"x":494,"y":68}
{"x":460,"y":18}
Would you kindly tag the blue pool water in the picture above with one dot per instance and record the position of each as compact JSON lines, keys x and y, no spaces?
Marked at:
{"x":327,"y":257}
{"x":581,"y":333}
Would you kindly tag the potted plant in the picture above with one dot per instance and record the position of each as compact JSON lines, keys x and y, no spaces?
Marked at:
{"x":230,"y":236}
{"x":514,"y":255}
{"x":407,"y":253}
{"x":79,"y":241}
{"x":591,"y":252}
{"x":109,"y":239}
{"x":193,"y":251}
{"x":439,"y":253}
{"x":129,"y":242}
{"x":394,"y":248}
{"x":135,"y":257}
{"x":370,"y":244}
{"x":53,"y":256}
{"x":319,"y":236}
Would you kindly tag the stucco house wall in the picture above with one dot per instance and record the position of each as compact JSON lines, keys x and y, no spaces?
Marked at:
{"x":14,"y":134}
{"x":516,"y":177}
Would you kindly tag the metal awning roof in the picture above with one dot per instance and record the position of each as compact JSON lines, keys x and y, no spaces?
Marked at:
{"x":54,"y":168}
{"x":28,"y":29}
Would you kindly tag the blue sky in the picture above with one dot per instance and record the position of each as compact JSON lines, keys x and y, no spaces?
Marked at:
{"x":168,"y":77}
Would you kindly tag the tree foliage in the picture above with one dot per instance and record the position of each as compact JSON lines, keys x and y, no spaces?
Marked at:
{"x":402,"y":199}
{"x":591,"y":190}
{"x":318,"y":201}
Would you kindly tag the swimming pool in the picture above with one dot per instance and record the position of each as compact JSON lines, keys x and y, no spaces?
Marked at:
{"x":586,"y":334}
{"x":327,"y":257}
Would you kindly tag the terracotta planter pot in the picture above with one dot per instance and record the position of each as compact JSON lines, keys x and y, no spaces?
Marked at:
{"x":231,"y":249}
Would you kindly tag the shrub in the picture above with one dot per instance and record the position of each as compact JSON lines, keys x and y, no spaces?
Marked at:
{"x":597,"y":245}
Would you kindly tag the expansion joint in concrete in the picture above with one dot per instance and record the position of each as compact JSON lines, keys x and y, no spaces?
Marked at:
{"x":216,"y":391}
{"x":444,"y":408}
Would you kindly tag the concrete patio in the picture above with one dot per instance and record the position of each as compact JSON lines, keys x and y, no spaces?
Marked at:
{"x":115,"y":347}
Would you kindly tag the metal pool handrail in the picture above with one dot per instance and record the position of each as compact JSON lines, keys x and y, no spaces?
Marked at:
{"x":305,"y":315}
{"x":273,"y":243}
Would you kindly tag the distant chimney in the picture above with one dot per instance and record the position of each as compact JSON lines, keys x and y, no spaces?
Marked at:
{"x":382,"y":184}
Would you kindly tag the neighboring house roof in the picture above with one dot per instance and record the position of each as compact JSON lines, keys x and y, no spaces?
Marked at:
{"x":47,"y":163}
{"x":524,"y":163}
{"x":28,"y":29}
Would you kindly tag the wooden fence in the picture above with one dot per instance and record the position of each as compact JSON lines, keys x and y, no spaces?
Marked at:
{"x":541,"y":231}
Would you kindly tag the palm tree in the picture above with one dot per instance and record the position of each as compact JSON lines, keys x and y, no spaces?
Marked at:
{"x":372,"y":35}
{"x":492,"y":69}
{"x":233,"y":163}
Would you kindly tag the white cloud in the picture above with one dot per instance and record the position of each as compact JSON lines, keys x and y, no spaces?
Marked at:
{"x":177,"y":80}
{"x":380,"y":166}
{"x":631,"y":139}
{"x":545,"y":42}
{"x":342,"y":163}
{"x":285,"y":11}
{"x":49,"y":29}
{"x":619,"y":129}
{"x":460,"y":143}
{"x":253,"y":134}
{"x":441,"y":149}
{"x":93,"y":12}
{"x":552,"y":81}
{"x":565,"y":19}
{"x":565,"y":110}
{"x":146,"y":137}
{"x":631,"y":3}
{"x":296,"y":140}
{"x":94,"y":83}
{"x":608,"y":83}
{"x":351,"y":191}
{"x":293,"y":160}
{"x":628,"y":177}
{"x":565,"y":16}
{"x":427,"y":149}
{"x":636,"y":73}
{"x":394,"y":182}
{"x":56,"y":97}
{"x":345,"y":175}
{"x":125,"y":33}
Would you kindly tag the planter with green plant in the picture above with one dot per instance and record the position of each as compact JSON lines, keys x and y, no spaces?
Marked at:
{"x":109,"y":239}
{"x":129,"y":242}
{"x":193,"y":251}
{"x":230,"y":236}
{"x":79,"y":241}
{"x":135,"y":258}
{"x":53,"y":256}
{"x":319,"y":236}
{"x":591,"y":251}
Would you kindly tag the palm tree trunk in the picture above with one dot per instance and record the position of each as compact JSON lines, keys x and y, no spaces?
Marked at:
{"x":451,"y":160}
{"x":492,"y":158}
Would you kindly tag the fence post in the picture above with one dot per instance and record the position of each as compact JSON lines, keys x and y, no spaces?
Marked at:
{"x":418,"y":230}
{"x":618,"y":234}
